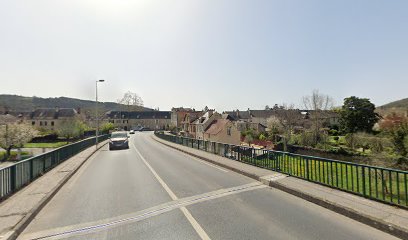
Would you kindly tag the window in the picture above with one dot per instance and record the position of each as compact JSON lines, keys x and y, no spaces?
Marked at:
{"x":229,"y":131}
{"x":52,"y":123}
{"x":33,"y":123}
{"x":45,"y":123}
{"x":40,"y":123}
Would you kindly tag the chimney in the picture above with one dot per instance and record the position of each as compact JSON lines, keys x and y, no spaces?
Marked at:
{"x":56,"y":109}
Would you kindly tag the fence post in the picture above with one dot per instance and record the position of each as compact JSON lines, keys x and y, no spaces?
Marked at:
{"x":363,"y":177}
{"x":307,"y":168}
{"x":13,"y":179}
{"x":31,"y":169}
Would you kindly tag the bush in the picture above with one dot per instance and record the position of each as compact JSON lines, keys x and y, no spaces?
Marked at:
{"x":336,"y":138}
{"x":262,"y":137}
{"x":333,"y":132}
{"x":307,"y":139}
{"x":350,"y":140}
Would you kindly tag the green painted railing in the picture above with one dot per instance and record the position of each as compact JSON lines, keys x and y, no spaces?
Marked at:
{"x":18,"y":175}
{"x":381,"y":184}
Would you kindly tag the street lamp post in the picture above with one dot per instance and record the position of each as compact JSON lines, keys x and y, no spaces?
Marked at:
{"x":96,"y":111}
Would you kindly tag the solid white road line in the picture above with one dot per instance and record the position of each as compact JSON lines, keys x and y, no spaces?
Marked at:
{"x":200,"y":231}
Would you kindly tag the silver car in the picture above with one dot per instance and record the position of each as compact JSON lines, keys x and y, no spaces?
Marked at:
{"x":119,"y":140}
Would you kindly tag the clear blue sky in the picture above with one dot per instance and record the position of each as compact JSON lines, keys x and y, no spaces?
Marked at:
{"x":224,"y":54}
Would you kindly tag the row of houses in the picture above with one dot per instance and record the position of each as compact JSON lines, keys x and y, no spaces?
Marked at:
{"x":227,"y":126}
{"x":52,"y":118}
{"x":206,"y":124}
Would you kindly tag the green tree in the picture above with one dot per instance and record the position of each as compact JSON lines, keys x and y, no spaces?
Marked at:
{"x":358,"y":115}
{"x":107,"y":127}
{"x":71,"y":129}
{"x":399,"y":136}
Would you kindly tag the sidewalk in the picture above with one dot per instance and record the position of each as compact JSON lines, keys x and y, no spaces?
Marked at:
{"x":17,"y":211}
{"x":381,"y":216}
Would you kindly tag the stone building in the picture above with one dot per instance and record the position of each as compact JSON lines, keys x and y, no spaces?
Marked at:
{"x":51,"y":118}
{"x":202,"y":123}
{"x":155,"y":120}
{"x":223,"y":131}
{"x":178,"y":115}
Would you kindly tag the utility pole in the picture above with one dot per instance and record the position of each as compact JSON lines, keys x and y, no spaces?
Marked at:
{"x":96,"y":111}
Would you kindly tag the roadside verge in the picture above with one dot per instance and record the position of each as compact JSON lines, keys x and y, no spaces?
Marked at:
{"x":17,"y":211}
{"x":384,"y":217}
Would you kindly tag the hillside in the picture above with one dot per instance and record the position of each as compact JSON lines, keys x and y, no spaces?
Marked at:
{"x":21,"y":103}
{"x":403,"y":103}
{"x":399,"y":107}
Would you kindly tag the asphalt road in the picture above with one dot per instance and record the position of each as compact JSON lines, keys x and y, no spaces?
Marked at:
{"x":154,"y":192}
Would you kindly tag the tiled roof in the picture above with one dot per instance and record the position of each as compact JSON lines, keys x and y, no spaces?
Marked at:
{"x":204,"y":118}
{"x":53,"y":113}
{"x":216,"y":126}
{"x":7,"y":118}
{"x":239,"y":114}
{"x":139,"y":114}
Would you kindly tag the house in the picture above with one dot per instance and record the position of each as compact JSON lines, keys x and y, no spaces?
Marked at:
{"x":238,"y":115}
{"x":155,"y":120}
{"x":223,"y":131}
{"x":244,"y":126}
{"x":188,"y":129}
{"x":178,"y":115}
{"x":202,"y":122}
{"x":7,"y":119}
{"x":51,"y":118}
{"x":256,"y":120}
{"x":328,"y":117}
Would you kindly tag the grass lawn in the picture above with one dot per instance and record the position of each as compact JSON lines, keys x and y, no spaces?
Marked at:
{"x":14,"y":155}
{"x":385,"y":185}
{"x":45,"y":145}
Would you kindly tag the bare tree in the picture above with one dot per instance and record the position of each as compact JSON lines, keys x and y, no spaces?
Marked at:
{"x":317,"y":105}
{"x":132,"y":101}
{"x":15,"y":135}
{"x":274,"y":127}
{"x":285,"y":119}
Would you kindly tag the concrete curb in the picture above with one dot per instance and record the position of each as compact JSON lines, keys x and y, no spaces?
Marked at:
{"x":358,"y":216}
{"x":20,"y":227}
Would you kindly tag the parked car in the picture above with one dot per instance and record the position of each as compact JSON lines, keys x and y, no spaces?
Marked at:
{"x":132,"y":131}
{"x":145,"y":129}
{"x":119,"y":140}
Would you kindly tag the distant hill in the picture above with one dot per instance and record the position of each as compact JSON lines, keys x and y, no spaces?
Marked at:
{"x":403,"y":103}
{"x":399,"y":106}
{"x":21,"y":103}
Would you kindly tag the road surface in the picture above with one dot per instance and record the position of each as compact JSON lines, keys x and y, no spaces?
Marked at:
{"x":154,"y":192}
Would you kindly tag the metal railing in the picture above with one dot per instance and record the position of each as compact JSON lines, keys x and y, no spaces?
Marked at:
{"x":381,"y":184}
{"x":18,"y":175}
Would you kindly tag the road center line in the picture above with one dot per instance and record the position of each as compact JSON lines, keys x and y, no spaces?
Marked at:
{"x":92,"y":227}
{"x":197,"y":227}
